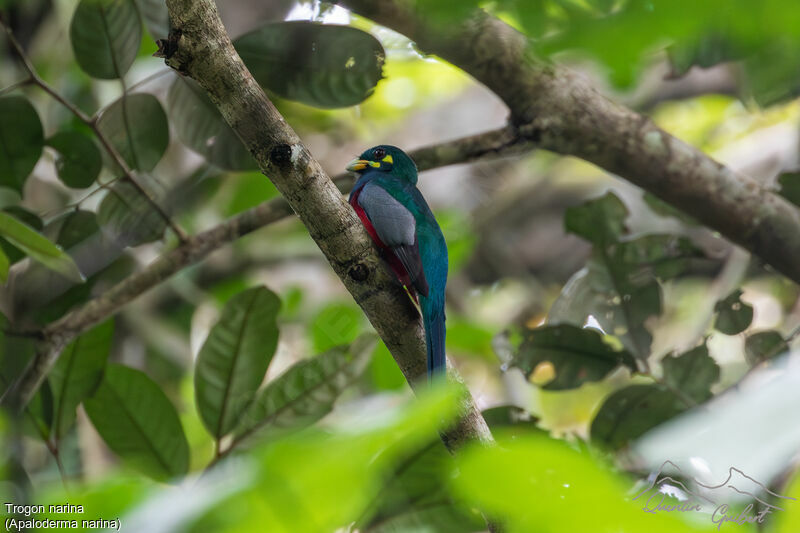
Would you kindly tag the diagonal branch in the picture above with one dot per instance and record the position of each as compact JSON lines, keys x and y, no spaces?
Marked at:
{"x":556,"y":108}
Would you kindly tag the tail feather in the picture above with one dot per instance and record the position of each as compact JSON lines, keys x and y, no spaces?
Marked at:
{"x":434,"y":338}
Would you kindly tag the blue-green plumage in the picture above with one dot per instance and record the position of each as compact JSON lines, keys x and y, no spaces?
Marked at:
{"x":400,"y":222}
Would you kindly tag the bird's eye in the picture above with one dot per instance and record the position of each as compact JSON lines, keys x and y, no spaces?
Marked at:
{"x":379,"y":153}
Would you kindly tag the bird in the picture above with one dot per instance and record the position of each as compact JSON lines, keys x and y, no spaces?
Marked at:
{"x":399,"y":221}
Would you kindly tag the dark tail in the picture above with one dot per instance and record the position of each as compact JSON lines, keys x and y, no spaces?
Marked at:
{"x":433,"y":319}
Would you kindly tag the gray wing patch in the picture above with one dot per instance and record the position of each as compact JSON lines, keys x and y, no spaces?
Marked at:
{"x":393,"y":223}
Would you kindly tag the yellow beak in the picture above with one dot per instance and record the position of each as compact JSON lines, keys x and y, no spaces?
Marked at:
{"x":360,"y":164}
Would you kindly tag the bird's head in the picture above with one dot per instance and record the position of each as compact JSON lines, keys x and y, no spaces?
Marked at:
{"x":385,"y":158}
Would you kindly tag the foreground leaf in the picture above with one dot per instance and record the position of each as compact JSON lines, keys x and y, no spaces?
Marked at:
{"x":320,"y":65}
{"x":77,"y":373}
{"x":579,"y":355}
{"x":105,"y":37}
{"x":21,"y":141}
{"x":307,"y":391}
{"x":234,"y":358}
{"x":137,"y":127}
{"x":79,"y":161}
{"x":138,"y":422}
{"x":38,"y":247}
{"x":200,"y":126}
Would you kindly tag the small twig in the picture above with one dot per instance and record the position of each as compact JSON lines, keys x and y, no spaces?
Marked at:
{"x":93,"y":124}
{"x":16,"y":85}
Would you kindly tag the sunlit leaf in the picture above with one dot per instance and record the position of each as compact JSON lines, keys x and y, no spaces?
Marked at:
{"x":319,"y":65}
{"x":693,"y":373}
{"x":763,"y":346}
{"x":307,"y":391}
{"x":79,"y":161}
{"x":21,"y":140}
{"x":38,"y":247}
{"x":137,"y":127}
{"x":127,"y":217}
{"x":733,"y":315}
{"x":233,"y":360}
{"x":138,"y":422}
{"x":200,"y":126}
{"x":77,"y":374}
{"x":578,"y":355}
{"x":630,"y":412}
{"x":105,"y":36}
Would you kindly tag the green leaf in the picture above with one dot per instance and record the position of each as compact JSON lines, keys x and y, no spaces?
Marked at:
{"x":21,"y":141}
{"x":234,"y":358}
{"x":75,"y":228}
{"x":733,"y":315}
{"x":79,"y":161}
{"x":38,"y":247}
{"x":307,"y":391}
{"x":127,"y":217}
{"x":693,"y":373}
{"x":138,"y":422}
{"x":763,"y":346}
{"x":579,"y":355}
{"x":600,"y":221}
{"x":512,"y":420}
{"x":20,"y":213}
{"x":137,"y":127}
{"x":790,"y":186}
{"x":200,"y":126}
{"x":77,"y":373}
{"x":155,"y":16}
{"x":320,"y":65}
{"x":334,"y":325}
{"x":105,"y":37}
{"x":4,"y":264}
{"x":630,"y":412}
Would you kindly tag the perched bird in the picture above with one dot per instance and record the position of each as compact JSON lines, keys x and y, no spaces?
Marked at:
{"x":400,"y":222}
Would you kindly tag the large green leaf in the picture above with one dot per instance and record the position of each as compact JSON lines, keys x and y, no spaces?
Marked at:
{"x":307,"y":391}
{"x":319,"y":65}
{"x":79,"y":161}
{"x":105,"y":36}
{"x":578,"y":354}
{"x":127,"y":217}
{"x":630,"y":412}
{"x":138,"y":422}
{"x":234,"y":359}
{"x":77,"y":373}
{"x":38,"y":247}
{"x":137,"y":127}
{"x":693,"y":373}
{"x":155,"y":16}
{"x":200,"y":126}
{"x":29,"y":219}
{"x":21,"y":140}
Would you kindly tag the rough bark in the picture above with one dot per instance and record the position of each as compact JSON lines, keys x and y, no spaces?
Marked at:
{"x":555,"y":108}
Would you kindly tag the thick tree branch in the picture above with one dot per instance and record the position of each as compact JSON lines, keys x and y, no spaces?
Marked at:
{"x":556,"y":108}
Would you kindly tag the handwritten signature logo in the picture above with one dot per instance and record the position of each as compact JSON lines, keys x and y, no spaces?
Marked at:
{"x":709,"y":498}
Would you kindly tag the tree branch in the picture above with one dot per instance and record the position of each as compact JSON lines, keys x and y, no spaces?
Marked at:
{"x":556,"y":108}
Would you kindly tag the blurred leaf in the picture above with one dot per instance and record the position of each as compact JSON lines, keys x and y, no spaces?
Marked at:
{"x":234,"y":358}
{"x":763,"y":346}
{"x":693,"y":373}
{"x":334,"y":325}
{"x":139,"y":423}
{"x":414,"y":497}
{"x":20,"y":213}
{"x":4,"y":264}
{"x":137,"y":127}
{"x":247,"y":190}
{"x":707,"y":50}
{"x":600,"y":221}
{"x":511,"y":419}
{"x":469,"y":337}
{"x":386,"y":375}
{"x":155,"y":16}
{"x":127,"y":217}
{"x":38,"y":247}
{"x":200,"y":126}
{"x":790,"y":186}
{"x":79,"y":161}
{"x":77,"y":373}
{"x":75,"y":228}
{"x":630,"y":412}
{"x":21,"y":141}
{"x":662,"y":208}
{"x":733,"y":315}
{"x":319,"y":65}
{"x":578,"y":354}
{"x":105,"y":36}
{"x":307,"y":391}
{"x":40,"y":410}
{"x":573,"y":491}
